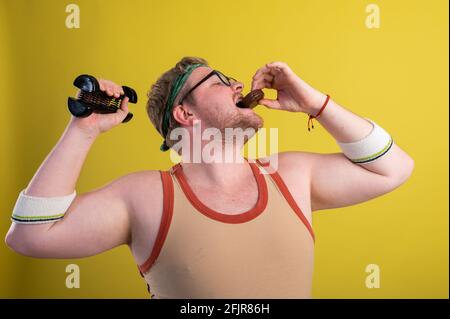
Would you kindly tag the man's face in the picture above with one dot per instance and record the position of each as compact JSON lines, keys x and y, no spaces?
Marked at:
{"x":215,"y":103}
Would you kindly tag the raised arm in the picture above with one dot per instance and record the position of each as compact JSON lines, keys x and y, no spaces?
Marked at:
{"x":337,"y":180}
{"x":371,"y":163}
{"x":95,"y":221}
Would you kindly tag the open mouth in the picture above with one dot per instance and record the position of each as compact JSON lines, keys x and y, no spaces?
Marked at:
{"x":238,"y":100}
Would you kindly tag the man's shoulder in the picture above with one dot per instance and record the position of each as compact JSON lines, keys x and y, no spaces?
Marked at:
{"x":143,"y":176}
{"x":290,"y":162}
{"x":137,"y":178}
{"x":142,"y":184}
{"x":143,"y":189}
{"x":294,"y":168}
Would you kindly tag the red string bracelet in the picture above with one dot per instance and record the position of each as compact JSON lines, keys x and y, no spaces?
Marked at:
{"x":311,"y":117}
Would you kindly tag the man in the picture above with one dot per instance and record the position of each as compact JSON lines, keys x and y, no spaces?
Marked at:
{"x":209,"y":229}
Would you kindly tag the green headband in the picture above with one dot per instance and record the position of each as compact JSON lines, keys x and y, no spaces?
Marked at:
{"x":176,"y":87}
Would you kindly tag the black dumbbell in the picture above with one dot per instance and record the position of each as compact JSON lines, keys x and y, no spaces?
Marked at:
{"x":92,"y":100}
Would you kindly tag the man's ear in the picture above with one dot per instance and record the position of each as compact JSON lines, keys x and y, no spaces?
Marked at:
{"x":183,"y":115}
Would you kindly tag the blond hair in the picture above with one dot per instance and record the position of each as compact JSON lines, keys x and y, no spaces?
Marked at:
{"x":159,"y":93}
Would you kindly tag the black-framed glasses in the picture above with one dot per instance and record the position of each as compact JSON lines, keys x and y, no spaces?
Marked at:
{"x":225,"y":80}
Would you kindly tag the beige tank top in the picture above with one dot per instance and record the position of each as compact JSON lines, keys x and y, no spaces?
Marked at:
{"x":266,"y":252}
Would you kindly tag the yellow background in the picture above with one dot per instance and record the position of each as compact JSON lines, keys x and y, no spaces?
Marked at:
{"x":396,"y":75}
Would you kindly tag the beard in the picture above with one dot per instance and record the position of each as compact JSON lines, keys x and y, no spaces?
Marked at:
{"x":243,"y":121}
{"x":244,"y":125}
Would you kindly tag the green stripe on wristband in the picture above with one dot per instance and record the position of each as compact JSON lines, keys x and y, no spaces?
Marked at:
{"x":37,"y":217}
{"x":376,"y":155}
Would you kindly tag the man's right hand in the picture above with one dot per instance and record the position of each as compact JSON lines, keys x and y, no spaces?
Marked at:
{"x":96,"y":123}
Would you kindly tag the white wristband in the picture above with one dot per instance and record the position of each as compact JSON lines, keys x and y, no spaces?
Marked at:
{"x":370,"y":148}
{"x":39,"y":210}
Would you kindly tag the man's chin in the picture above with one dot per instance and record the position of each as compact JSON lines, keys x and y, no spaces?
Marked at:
{"x":250,"y":120}
{"x":244,"y":121}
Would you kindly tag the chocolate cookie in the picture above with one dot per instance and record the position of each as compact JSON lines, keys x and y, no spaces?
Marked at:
{"x":251,"y":99}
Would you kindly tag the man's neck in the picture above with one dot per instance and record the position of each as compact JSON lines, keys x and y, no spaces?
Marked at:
{"x":222,"y":174}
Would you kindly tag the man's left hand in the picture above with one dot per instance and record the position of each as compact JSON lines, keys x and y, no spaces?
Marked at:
{"x":293,"y":94}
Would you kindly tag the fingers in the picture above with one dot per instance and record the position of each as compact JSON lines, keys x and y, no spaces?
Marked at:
{"x":262,"y":84}
{"x":123,"y":111}
{"x":262,"y":74}
{"x":271,"y":69}
{"x":260,"y":71}
{"x":114,"y":90}
{"x":262,"y":79}
{"x":271,"y":104}
{"x":279,"y":67}
{"x":265,"y":76}
{"x":124,"y":105}
{"x":111,"y":88}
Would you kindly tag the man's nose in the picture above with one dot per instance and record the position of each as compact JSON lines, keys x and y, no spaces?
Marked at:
{"x":237,"y":86}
